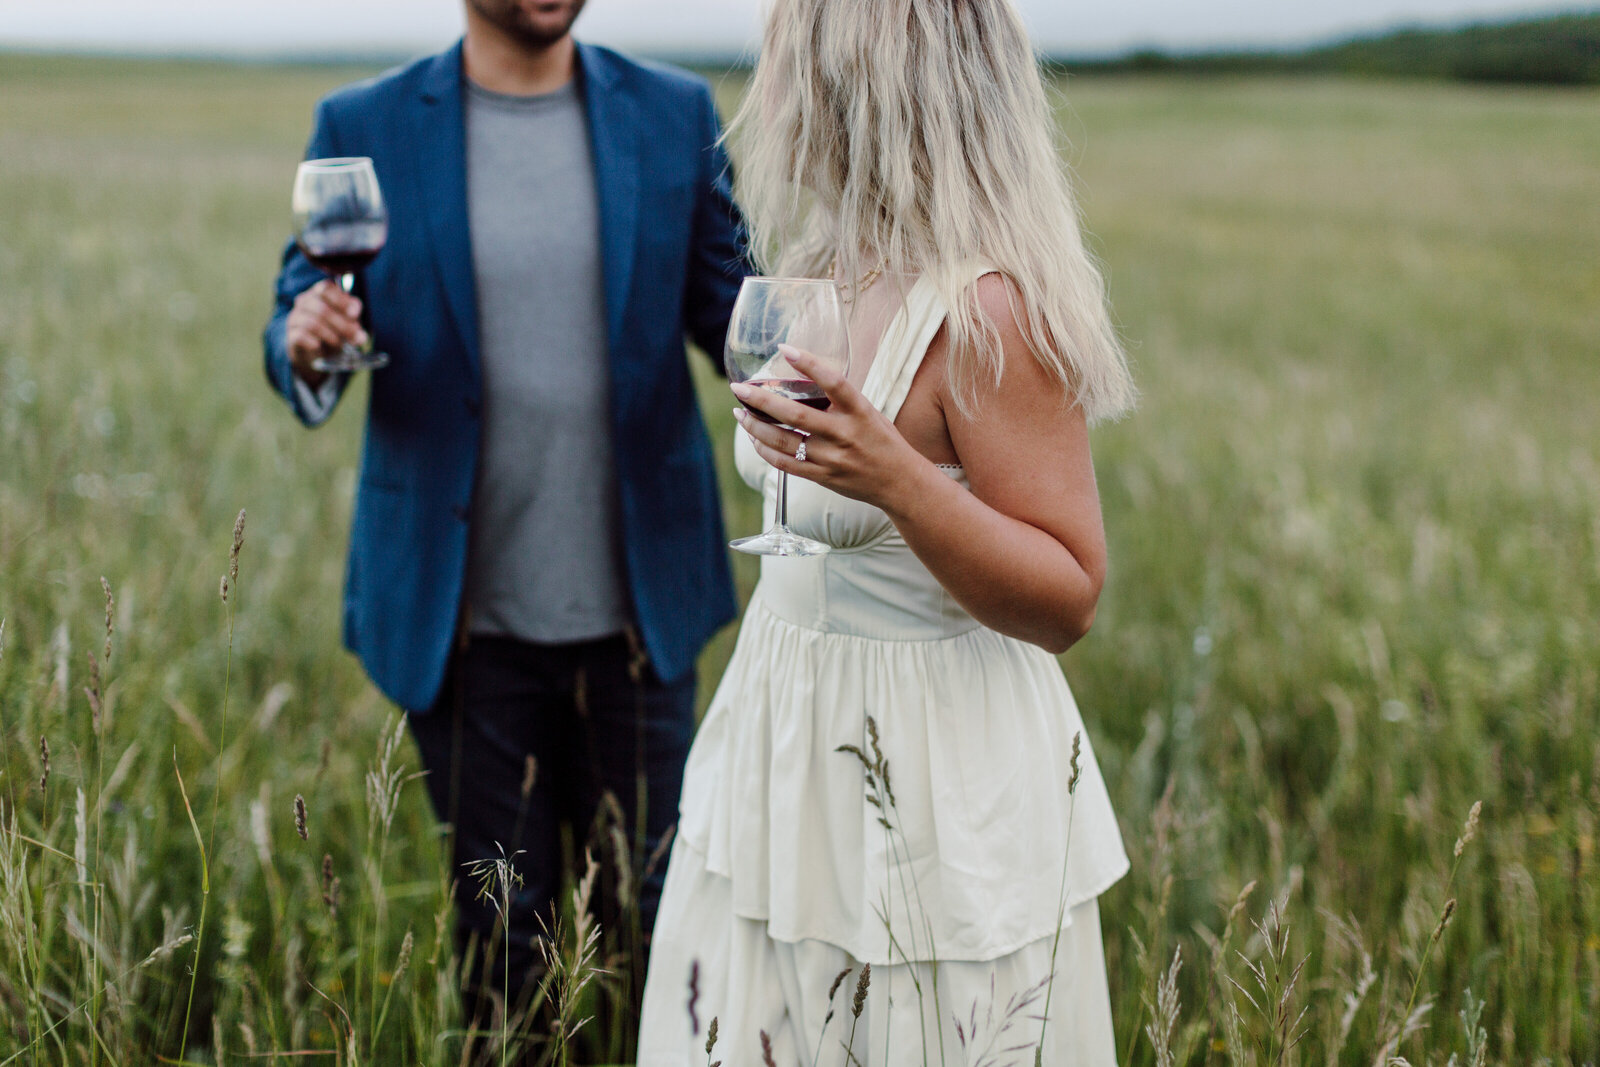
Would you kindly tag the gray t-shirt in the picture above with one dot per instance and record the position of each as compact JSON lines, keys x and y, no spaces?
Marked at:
{"x":544,"y":562}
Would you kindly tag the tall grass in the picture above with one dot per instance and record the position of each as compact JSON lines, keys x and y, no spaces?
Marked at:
{"x":1355,"y":533}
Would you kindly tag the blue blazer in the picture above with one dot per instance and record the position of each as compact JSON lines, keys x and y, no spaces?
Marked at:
{"x":673,"y":251}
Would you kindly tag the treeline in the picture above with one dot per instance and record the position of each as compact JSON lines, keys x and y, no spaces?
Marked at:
{"x":1558,"y":50}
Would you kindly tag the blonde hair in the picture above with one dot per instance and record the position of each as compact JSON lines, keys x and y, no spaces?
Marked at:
{"x":916,"y":135}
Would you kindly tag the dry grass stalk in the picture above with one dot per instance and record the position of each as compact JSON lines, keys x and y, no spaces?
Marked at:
{"x":857,"y":1003}
{"x":572,"y":970}
{"x":1275,"y":982}
{"x":1358,"y":986}
{"x":833,"y":991}
{"x":1469,"y":830}
{"x":1061,"y":900}
{"x":1164,"y":1016}
{"x":1471,"y":1014}
{"x":992,"y":1053}
{"x":385,"y":781}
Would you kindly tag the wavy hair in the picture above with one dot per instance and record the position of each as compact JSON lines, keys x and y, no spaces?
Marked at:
{"x":916,"y":135}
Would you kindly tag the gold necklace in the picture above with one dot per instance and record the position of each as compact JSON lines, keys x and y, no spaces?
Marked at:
{"x":848,"y":291}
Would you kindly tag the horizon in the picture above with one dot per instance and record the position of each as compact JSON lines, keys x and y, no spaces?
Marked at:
{"x":172,"y":29}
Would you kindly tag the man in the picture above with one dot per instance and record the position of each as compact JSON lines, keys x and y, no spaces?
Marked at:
{"x":537,"y":553}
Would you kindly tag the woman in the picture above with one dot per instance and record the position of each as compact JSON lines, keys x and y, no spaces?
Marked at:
{"x":959,"y":844}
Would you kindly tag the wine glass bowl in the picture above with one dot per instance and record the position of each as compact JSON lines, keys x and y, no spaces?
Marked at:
{"x":340,"y":224}
{"x":800,"y":313}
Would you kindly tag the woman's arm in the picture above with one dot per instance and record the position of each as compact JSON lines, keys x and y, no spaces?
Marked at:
{"x":1024,"y":551}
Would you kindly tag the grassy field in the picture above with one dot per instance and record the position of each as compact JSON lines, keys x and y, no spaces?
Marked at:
{"x":1355,"y":537}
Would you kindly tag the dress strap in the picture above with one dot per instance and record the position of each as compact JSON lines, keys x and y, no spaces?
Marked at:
{"x":905,"y":342}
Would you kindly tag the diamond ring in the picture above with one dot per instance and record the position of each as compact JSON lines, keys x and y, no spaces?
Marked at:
{"x":800,"y":453}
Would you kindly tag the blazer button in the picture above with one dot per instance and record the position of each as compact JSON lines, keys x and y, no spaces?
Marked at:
{"x":460,"y":512}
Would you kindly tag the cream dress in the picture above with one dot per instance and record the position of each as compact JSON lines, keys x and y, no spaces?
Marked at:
{"x":782,"y":874}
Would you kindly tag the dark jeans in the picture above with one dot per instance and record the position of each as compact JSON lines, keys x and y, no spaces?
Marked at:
{"x":596,"y":722}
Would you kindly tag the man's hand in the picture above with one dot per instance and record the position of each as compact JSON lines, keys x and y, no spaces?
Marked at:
{"x":323,"y":319}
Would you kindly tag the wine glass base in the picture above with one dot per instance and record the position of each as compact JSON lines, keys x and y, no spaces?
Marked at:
{"x":779,"y":541}
{"x":351,"y":359}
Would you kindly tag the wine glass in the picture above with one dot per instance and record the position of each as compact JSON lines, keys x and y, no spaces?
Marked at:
{"x":803,"y":313}
{"x":340,"y":224}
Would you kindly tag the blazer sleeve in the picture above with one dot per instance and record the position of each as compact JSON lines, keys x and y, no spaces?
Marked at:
{"x":295,"y":275}
{"x":718,"y":256}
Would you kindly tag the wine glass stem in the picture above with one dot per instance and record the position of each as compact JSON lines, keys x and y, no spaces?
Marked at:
{"x":783,"y":500}
{"x":347,"y":282}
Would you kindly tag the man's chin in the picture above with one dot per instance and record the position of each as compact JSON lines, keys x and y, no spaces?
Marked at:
{"x":546,"y":24}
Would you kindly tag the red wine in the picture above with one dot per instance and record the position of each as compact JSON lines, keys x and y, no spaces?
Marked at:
{"x":342,"y":248}
{"x":800,"y":390}
{"x":344,"y":261}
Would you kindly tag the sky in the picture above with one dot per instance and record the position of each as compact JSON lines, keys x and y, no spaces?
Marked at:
{"x":1073,"y":27}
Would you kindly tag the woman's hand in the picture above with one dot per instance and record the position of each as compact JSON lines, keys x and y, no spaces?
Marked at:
{"x":851,"y":448}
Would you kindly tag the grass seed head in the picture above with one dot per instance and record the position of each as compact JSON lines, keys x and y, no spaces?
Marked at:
{"x":238,"y":543}
{"x":694,"y":1003}
{"x":711,"y":1035}
{"x":1077,"y":747}
{"x":330,"y":884}
{"x":837,"y":982}
{"x":1444,"y":918}
{"x":862,"y":983}
{"x":405,"y":957}
{"x":44,"y":763}
{"x":300,"y":816}
{"x":110,"y":605}
{"x":624,"y":861}
{"x":1470,"y":830}
{"x":766,"y":1051}
{"x":161,"y":952}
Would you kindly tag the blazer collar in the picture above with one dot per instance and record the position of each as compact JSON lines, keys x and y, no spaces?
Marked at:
{"x":614,"y":140}
{"x":439,"y":134}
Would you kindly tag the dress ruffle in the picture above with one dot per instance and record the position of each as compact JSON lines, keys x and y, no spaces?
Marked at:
{"x":977,"y":731}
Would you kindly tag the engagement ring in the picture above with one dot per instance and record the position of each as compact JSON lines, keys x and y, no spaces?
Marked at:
{"x":800,"y":453}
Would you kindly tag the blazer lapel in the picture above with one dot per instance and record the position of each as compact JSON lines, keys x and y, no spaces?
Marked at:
{"x":614,"y":140}
{"x":439,"y":137}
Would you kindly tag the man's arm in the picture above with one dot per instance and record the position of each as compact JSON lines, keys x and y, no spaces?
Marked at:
{"x":311,"y":399}
{"x":719,"y":247}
